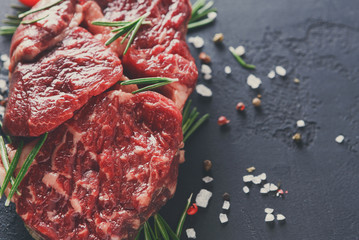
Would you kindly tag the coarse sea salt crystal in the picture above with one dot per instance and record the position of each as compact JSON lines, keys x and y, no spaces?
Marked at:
{"x":3,"y":86}
{"x":273,"y":187}
{"x":269,"y":218}
{"x":197,"y":42}
{"x":205,"y":69}
{"x":227,"y":70}
{"x":226,"y":205}
{"x":245,"y":189}
{"x":300,"y":123}
{"x":203,"y":90}
{"x":4,"y":57}
{"x":264,"y":190}
{"x":271,"y":74}
{"x":2,"y":110}
{"x":203,"y":197}
{"x":207,"y":179}
{"x":266,"y":186}
{"x":1,"y":97}
{"x":280,"y":217}
{"x":212,"y":15}
{"x":253,"y":81}
{"x":240,"y":50}
{"x":262,"y":176}
{"x":248,"y":178}
{"x":207,"y":76}
{"x":223,"y":218}
{"x":191,"y":233}
{"x":339,"y":139}
{"x":280,"y":71}
{"x":7,"y":64}
{"x":268,"y":210}
{"x":256,"y":180}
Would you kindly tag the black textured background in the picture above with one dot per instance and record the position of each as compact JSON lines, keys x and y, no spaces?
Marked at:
{"x":317,"y":42}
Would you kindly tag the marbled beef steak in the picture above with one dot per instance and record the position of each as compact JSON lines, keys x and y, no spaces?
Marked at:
{"x":45,"y":93}
{"x":103,"y":173}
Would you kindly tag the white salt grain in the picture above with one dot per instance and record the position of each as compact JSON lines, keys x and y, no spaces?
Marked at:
{"x":227,"y":70}
{"x":245,"y":189}
{"x":191,"y":233}
{"x":198,"y":42}
{"x":280,"y":217}
{"x":339,"y":139}
{"x":253,"y":81}
{"x":203,"y":197}
{"x":280,"y":71}
{"x":256,"y":180}
{"x":223,"y":218}
{"x":3,"y":86}
{"x":266,"y":186}
{"x":262,"y":176}
{"x":207,"y":76}
{"x":300,"y":123}
{"x":203,"y":90}
{"x":7,"y":64}
{"x":207,"y":179}
{"x":205,"y":69}
{"x":269,"y":218}
{"x":2,"y":111}
{"x":273,"y":187}
{"x":4,"y":57}
{"x":226,"y":205}
{"x":247,"y":178}
{"x":240,"y":50}
{"x":271,"y":74}
{"x":212,"y":15}
{"x":268,"y":210}
{"x":1,"y":97}
{"x":264,"y":190}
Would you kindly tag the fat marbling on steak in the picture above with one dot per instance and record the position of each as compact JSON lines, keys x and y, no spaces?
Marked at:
{"x":45,"y":93}
{"x":104,"y":172}
{"x":159,"y":49}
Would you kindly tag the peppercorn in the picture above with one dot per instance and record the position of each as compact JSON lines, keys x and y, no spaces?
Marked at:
{"x":296,"y":80}
{"x":251,"y":169}
{"x":192,"y":210}
{"x":259,"y":96}
{"x":218,"y":38}
{"x":207,"y":165}
{"x":297,"y":137}
{"x":240,"y":106}
{"x":222,"y":120}
{"x":204,"y":57}
{"x":226,"y":196}
{"x":256,"y":102}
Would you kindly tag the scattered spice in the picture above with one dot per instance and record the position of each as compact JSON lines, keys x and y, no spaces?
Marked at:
{"x":228,"y":70}
{"x":226,"y":205}
{"x":240,"y":51}
{"x":226,"y":196}
{"x":251,"y":169}
{"x":223,"y":218}
{"x":297,"y":137}
{"x":256,"y":102}
{"x":240,"y":106}
{"x":203,"y":90}
{"x":280,"y":71}
{"x":218,"y":38}
{"x":193,"y":209}
{"x":190,"y":232}
{"x":203,"y":197}
{"x":256,"y":180}
{"x":204,"y":57}
{"x":269,"y":218}
{"x":245,"y":189}
{"x":207,"y":179}
{"x":207,"y":165}
{"x":339,"y":139}
{"x":259,"y":95}
{"x":300,"y":123}
{"x":271,"y":74}
{"x":247,"y":178}
{"x":222,"y":120}
{"x":280,"y":217}
{"x":253,"y":81}
{"x":197,"y":41}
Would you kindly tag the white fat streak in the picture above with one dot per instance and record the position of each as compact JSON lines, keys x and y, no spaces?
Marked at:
{"x":50,"y":180}
{"x":75,"y":203}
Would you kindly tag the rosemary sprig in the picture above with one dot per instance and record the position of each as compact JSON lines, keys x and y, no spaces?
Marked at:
{"x":162,"y":221}
{"x":30,"y":158}
{"x":5,"y":158}
{"x":189,"y":126}
{"x":34,"y":20}
{"x":154,"y":81}
{"x":199,"y":16}
{"x":31,"y":11}
{"x":240,"y":60}
{"x":183,"y":218}
{"x":10,"y":171}
{"x":129,"y":29}
{"x":8,"y":138}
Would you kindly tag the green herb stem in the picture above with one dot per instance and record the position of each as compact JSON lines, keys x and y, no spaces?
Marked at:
{"x":137,"y":27}
{"x":195,"y":126}
{"x":6,"y":30}
{"x":155,"y":81}
{"x":161,"y":228}
{"x":31,"y":11}
{"x":240,"y":60}
{"x":5,"y":158}
{"x":147,"y":232}
{"x":30,"y":158}
{"x":200,"y":23}
{"x":12,"y":22}
{"x":169,"y":229}
{"x":197,"y":5}
{"x":12,"y":168}
{"x":20,"y":8}
{"x":33,"y":21}
{"x":186,"y":111}
{"x":183,"y":218}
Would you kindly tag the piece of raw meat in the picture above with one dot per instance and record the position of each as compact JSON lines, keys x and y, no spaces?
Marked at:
{"x":45,"y":93}
{"x":30,"y":40}
{"x":103,"y":173}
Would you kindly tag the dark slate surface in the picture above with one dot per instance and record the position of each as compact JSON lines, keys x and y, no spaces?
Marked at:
{"x":317,"y":42}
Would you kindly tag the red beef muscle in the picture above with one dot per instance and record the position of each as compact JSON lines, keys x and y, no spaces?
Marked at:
{"x":30,"y":40}
{"x":103,"y":173}
{"x":45,"y":93}
{"x":159,"y":49}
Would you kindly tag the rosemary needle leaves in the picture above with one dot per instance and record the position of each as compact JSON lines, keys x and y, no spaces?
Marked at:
{"x":129,"y":29}
{"x":202,"y":14}
{"x":189,"y":126}
{"x":30,"y":158}
{"x":5,"y":158}
{"x":31,"y":11}
{"x":33,"y":21}
{"x":240,"y":60}
{"x":154,"y":81}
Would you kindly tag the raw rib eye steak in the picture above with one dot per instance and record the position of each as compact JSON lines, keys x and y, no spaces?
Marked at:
{"x":103,"y":173}
{"x":45,"y":93}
